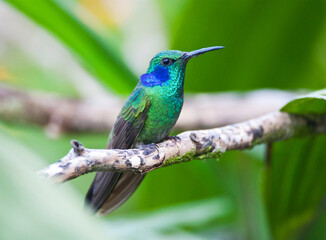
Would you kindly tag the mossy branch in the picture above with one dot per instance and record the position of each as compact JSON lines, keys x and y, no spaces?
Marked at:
{"x":184,"y":147}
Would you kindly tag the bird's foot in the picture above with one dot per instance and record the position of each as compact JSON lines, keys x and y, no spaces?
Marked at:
{"x":174,"y":138}
{"x":151,"y":147}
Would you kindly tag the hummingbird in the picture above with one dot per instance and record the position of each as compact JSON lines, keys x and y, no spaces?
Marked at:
{"x":147,"y":117}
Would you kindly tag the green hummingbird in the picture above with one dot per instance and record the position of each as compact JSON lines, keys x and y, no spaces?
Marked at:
{"x":147,"y":117}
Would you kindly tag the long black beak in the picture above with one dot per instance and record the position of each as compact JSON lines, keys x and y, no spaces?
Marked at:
{"x":195,"y":53}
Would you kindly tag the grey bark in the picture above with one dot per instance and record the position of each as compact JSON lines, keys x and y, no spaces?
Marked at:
{"x":185,"y":147}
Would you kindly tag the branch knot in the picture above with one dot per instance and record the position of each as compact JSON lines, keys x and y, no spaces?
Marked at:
{"x":79,"y":148}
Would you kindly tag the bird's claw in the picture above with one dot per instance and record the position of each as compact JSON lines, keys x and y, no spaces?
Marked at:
{"x":153,"y":146}
{"x":174,"y":138}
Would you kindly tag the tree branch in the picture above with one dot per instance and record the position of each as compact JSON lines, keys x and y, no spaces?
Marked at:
{"x":185,"y":147}
{"x":60,"y":114}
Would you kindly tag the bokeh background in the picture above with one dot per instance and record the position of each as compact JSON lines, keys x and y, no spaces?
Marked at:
{"x":95,"y":49}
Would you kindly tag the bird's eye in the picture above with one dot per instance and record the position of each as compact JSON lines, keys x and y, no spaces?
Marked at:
{"x":167,"y":61}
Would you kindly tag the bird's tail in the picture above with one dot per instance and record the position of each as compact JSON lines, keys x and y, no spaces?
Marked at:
{"x":110,"y":190}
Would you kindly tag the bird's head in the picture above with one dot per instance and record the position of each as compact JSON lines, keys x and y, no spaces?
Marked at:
{"x":170,"y":65}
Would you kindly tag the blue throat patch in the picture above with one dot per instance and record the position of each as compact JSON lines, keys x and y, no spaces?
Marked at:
{"x":157,"y":77}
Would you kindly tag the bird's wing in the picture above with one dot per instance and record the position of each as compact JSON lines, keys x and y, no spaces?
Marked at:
{"x":123,"y":135}
{"x":130,"y":121}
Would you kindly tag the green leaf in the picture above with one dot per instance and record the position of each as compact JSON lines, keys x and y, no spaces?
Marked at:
{"x":266,"y":46}
{"x":32,"y":208}
{"x":241,"y":176}
{"x":314,"y":103}
{"x":192,"y":220}
{"x":294,"y":183}
{"x":98,"y":57}
{"x":295,"y":186}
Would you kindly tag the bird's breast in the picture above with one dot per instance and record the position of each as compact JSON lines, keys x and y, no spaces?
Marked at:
{"x":162,"y":116}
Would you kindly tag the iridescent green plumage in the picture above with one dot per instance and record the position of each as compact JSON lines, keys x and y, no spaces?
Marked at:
{"x":148,"y":116}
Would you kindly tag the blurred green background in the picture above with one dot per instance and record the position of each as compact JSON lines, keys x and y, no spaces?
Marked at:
{"x":90,"y":49}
